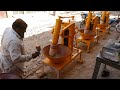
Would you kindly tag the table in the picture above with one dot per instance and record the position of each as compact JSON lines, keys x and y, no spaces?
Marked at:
{"x":58,"y":67}
{"x":100,"y":60}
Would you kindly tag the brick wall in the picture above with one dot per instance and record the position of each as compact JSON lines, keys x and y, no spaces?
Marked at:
{"x":3,"y":14}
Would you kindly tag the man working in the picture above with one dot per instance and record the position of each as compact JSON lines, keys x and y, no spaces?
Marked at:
{"x":12,"y":50}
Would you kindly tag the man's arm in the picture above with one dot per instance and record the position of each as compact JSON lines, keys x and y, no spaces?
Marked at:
{"x":23,"y":58}
{"x":15,"y":53}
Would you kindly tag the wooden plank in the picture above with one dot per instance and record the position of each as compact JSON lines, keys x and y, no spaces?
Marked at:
{"x":30,"y":69}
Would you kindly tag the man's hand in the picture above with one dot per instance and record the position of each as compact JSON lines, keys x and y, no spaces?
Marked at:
{"x":34,"y":55}
{"x":38,"y":48}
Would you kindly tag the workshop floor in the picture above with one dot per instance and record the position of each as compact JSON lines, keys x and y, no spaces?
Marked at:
{"x":73,"y":70}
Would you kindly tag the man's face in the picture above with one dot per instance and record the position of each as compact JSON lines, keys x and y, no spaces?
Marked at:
{"x":21,"y":32}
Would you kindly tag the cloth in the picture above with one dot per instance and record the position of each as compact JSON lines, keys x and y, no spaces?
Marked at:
{"x":12,"y":49}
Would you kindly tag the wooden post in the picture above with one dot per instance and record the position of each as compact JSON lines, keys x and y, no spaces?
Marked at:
{"x":56,"y":31}
{"x":88,"y":20}
{"x":54,"y":12}
{"x":95,"y":22}
{"x":103,"y":17}
{"x":9,"y":14}
{"x":24,"y":12}
{"x":107,"y":17}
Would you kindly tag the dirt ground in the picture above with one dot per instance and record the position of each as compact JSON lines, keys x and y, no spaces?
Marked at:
{"x":74,"y":70}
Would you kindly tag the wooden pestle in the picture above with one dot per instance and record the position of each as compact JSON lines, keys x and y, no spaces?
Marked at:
{"x":53,"y":47}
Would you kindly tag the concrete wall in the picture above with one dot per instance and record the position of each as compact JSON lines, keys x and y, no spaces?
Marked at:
{"x":9,"y":14}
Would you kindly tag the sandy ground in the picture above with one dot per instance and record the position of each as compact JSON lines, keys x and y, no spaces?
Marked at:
{"x":73,"y":70}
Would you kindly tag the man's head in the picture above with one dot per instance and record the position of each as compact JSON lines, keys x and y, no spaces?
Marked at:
{"x":20,"y":27}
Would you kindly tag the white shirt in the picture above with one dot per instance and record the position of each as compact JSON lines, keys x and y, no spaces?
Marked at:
{"x":11,"y":49}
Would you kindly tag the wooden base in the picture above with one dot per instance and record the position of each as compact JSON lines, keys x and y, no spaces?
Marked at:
{"x":104,"y":29}
{"x":58,"y":67}
{"x":88,"y":42}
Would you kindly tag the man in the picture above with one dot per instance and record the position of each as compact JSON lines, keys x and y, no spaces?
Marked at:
{"x":12,"y":50}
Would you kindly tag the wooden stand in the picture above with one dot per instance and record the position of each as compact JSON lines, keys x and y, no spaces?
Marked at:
{"x":104,"y":28}
{"x":59,"y":67}
{"x":87,"y":41}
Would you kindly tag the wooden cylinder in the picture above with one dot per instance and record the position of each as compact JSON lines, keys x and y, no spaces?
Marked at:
{"x":56,"y":31}
{"x":103,"y":15}
{"x":107,"y":17}
{"x":88,"y":20}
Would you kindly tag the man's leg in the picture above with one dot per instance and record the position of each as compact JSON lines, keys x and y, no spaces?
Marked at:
{"x":12,"y":71}
{"x":0,"y":71}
